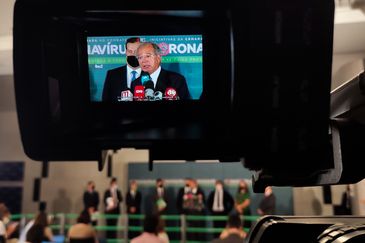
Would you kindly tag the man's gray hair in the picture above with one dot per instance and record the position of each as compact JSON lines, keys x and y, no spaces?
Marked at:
{"x":156,"y":48}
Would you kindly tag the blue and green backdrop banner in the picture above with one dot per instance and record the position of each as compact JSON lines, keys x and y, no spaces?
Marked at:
{"x":180,"y":53}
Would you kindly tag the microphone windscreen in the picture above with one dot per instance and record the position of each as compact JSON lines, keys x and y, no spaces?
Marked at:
{"x":149,"y":85}
{"x":158,"y":95}
{"x":149,"y":94}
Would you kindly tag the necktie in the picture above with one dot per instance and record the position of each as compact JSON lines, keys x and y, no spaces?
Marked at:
{"x":219,"y":200}
{"x":134,"y":75}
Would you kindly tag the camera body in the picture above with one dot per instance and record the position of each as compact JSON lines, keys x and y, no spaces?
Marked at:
{"x":264,"y":86}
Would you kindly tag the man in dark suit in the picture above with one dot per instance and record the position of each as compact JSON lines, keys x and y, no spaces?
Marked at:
{"x":119,"y":79}
{"x":149,"y":58}
{"x":268,"y":203}
{"x":112,"y":199}
{"x":182,"y":196}
{"x":133,"y":203}
{"x":220,"y":203}
{"x":159,"y":197}
{"x":91,"y":200}
{"x":194,"y":204}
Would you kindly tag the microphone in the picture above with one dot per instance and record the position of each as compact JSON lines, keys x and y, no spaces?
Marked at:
{"x":138,"y":93}
{"x":126,"y":95}
{"x":149,"y":90}
{"x":158,"y":95}
{"x":145,"y":77}
{"x":171,"y":94}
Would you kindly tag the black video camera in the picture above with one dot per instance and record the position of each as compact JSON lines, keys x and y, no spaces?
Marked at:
{"x":258,"y":77}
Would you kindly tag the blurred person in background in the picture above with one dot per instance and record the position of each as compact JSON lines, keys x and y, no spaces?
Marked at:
{"x":268,"y":203}
{"x":133,"y":204}
{"x":40,"y":230}
{"x":82,"y":231}
{"x":91,"y":201}
{"x":233,"y":233}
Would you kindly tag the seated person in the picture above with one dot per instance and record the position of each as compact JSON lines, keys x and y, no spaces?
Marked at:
{"x":82,"y":231}
{"x":233,"y":232}
{"x":40,"y":230}
{"x":150,"y":228}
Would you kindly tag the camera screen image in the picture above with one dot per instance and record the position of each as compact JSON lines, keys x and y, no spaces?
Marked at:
{"x":145,"y":68}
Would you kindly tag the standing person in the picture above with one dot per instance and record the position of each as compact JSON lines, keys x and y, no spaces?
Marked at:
{"x":160,"y":202}
{"x":243,"y":201}
{"x":91,"y":201}
{"x":182,"y":195}
{"x":149,"y":58}
{"x":194,"y":204}
{"x":112,"y":199}
{"x":119,"y":79}
{"x":133,"y":203}
{"x":219,"y":203}
{"x":346,"y":201}
{"x":268,"y":203}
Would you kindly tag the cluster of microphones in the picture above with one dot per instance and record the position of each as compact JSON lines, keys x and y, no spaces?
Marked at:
{"x":147,"y":92}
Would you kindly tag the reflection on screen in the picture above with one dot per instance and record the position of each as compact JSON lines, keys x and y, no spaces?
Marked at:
{"x":145,"y":68}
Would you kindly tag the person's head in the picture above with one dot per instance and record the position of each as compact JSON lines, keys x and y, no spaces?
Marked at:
{"x":133,"y":185}
{"x":90,"y":186}
{"x":219,"y":185}
{"x":149,"y":57}
{"x":113,"y":183}
{"x":159,"y":182}
{"x":84,"y":217}
{"x":187,"y":182}
{"x":234,"y":221}
{"x":242,"y":186}
{"x":150,"y":223}
{"x":193,"y":183}
{"x":131,"y":46}
{"x":268,"y":191}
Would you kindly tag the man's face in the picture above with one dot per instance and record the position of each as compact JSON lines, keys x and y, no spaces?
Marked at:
{"x":159,"y":184}
{"x":132,"y":48}
{"x":148,"y":60}
{"x":134,"y":186}
{"x":91,"y":186}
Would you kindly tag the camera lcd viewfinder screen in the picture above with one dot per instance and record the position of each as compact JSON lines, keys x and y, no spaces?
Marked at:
{"x":145,"y":68}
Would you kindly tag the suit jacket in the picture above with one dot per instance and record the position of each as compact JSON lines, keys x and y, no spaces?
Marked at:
{"x":155,"y":197}
{"x":115,"y":83}
{"x":168,"y":79}
{"x":228,"y":202}
{"x":267,"y":205}
{"x":179,"y":200}
{"x":134,"y":201}
{"x":107,"y":194}
{"x":91,"y":200}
